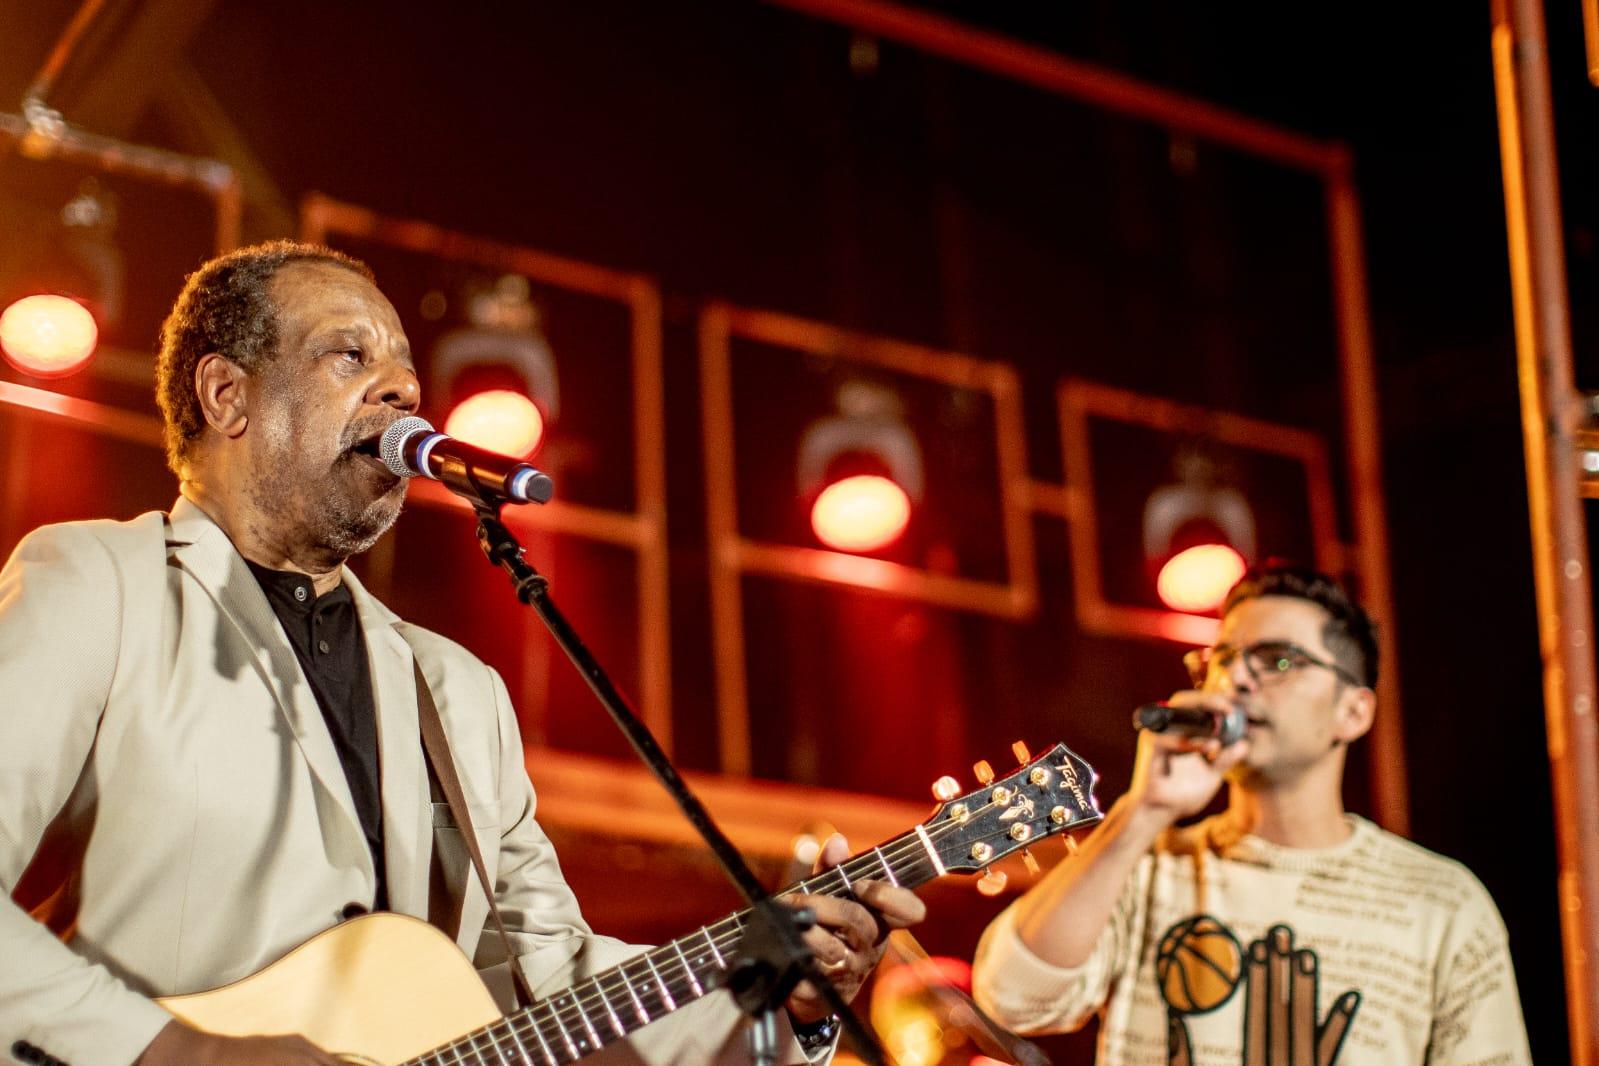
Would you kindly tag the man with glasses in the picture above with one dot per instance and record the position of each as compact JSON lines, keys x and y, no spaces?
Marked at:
{"x":1283,"y":930}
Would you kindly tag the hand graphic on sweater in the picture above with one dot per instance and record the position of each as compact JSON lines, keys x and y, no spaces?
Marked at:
{"x":1280,"y":1026}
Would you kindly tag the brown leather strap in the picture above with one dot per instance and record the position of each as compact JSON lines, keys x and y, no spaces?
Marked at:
{"x":438,"y":754}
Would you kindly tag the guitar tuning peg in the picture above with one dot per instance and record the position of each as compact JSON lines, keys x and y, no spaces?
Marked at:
{"x":1019,"y":749}
{"x":992,"y":883}
{"x":946,"y":788}
{"x":983,"y":772}
{"x":1032,"y":863}
{"x":1071,"y":844}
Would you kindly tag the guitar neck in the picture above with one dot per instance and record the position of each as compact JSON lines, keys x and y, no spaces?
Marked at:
{"x":605,"y":1008}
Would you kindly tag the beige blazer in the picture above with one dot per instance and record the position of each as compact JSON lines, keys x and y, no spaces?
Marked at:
{"x":153,"y":714}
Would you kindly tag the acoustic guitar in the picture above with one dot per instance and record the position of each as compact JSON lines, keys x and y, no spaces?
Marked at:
{"x":387,"y":989}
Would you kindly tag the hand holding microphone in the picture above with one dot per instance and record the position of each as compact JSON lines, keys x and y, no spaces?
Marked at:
{"x":1186,"y":747}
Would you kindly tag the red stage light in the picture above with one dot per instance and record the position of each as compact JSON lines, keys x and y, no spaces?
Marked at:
{"x":499,"y":420}
{"x":1198,"y":579}
{"x":47,"y":336}
{"x":861,"y":513}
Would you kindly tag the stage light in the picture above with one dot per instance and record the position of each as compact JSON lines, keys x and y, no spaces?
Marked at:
{"x":499,"y":420}
{"x":861,"y":513}
{"x":497,"y":372}
{"x":864,"y":467}
{"x":1198,"y":579}
{"x":1199,"y":535}
{"x":48,"y":336}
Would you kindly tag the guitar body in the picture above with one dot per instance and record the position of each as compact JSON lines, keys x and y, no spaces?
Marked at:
{"x":379,"y":989}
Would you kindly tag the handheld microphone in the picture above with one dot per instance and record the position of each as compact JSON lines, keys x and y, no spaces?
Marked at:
{"x":411,"y":447}
{"x":1194,"y":722}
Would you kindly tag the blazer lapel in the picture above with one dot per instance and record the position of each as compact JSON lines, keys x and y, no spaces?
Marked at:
{"x":201,"y":547}
{"x":407,"y":814}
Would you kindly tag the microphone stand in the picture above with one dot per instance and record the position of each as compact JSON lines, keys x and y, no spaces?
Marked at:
{"x":772,"y":957}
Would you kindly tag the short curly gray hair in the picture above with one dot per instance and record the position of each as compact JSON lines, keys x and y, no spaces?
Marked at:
{"x":226,"y":307}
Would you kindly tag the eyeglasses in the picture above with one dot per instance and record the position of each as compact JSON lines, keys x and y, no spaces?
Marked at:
{"x":1267,"y":661}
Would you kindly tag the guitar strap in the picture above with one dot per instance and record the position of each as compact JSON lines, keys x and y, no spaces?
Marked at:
{"x":439,"y":759}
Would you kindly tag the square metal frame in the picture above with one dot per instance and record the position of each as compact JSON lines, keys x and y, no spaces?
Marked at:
{"x":1080,"y":400}
{"x":642,"y":530}
{"x":732,"y":555}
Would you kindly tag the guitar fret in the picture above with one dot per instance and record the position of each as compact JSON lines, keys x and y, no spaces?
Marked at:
{"x":560,"y":1026}
{"x":692,"y":980}
{"x":932,"y":852}
{"x":844,"y":876}
{"x":719,"y":960}
{"x":494,"y":1042}
{"x":583,"y":1016}
{"x":610,"y":1011}
{"x":638,"y":1004}
{"x":666,"y":993}
{"x":509,"y":1025}
{"x":887,"y":869}
{"x":533,"y":1023}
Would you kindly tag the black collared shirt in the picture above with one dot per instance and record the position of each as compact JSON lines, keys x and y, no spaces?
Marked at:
{"x":326,"y":633}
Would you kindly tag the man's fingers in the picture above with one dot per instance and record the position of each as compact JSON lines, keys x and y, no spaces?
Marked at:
{"x":1230,"y":756}
{"x":835,"y":849}
{"x":896,"y":907}
{"x":829,"y":950}
{"x":843,"y":918}
{"x":1218,"y":702}
{"x":1173,"y":743}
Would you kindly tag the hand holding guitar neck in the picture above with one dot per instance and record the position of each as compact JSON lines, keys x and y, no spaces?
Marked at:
{"x":848,"y":943}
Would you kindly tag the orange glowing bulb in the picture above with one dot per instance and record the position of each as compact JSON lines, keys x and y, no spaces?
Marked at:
{"x":1198,"y":579}
{"x":861,"y":513}
{"x":47,"y":336}
{"x":499,"y":420}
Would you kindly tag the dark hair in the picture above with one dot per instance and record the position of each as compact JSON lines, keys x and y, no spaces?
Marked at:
{"x":1350,"y":633}
{"x":225,"y":307}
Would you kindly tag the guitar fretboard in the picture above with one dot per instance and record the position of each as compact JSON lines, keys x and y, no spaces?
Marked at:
{"x":607,"y":1007}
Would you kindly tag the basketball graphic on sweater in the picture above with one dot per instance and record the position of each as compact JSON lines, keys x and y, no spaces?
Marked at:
{"x":1198,"y":965}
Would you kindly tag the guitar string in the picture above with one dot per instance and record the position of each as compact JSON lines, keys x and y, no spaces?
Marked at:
{"x":583,"y":997}
{"x":582,"y":1000}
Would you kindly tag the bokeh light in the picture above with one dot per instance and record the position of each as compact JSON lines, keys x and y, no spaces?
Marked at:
{"x":1198,"y":579}
{"x":861,"y":513}
{"x":48,"y":336}
{"x":499,"y":420}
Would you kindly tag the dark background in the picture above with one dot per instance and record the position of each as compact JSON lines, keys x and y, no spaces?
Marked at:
{"x":731,"y":151}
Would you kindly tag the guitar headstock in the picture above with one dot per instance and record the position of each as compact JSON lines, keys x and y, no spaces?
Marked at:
{"x":1051,"y":794}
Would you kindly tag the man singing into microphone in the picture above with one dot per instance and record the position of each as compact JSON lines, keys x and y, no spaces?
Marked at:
{"x":220,"y":726}
{"x":1283,"y":930}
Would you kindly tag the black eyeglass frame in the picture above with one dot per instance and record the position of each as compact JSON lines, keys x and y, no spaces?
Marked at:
{"x":1198,"y":661}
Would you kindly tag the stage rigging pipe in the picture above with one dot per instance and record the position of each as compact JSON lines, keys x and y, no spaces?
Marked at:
{"x":1551,"y":411}
{"x":41,"y":132}
{"x":34,"y":109}
{"x":210,"y":176}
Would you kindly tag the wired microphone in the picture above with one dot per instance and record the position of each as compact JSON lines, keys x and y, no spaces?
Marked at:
{"x":1197,"y":722}
{"x":411,"y":447}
